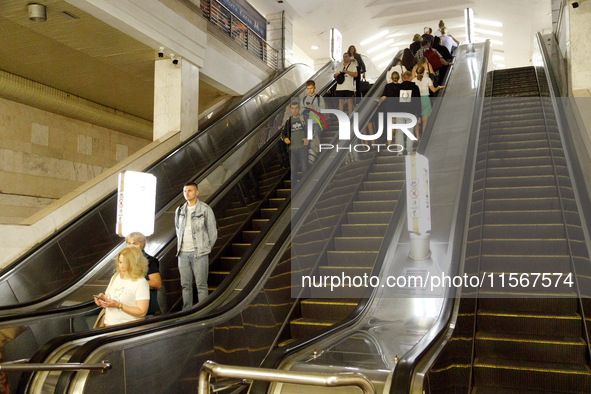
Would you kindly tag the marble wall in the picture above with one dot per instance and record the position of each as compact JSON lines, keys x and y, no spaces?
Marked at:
{"x":44,"y":156}
{"x":280,"y":32}
{"x":580,"y":45}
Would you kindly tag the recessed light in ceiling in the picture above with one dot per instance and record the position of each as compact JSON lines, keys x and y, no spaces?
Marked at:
{"x":383,"y":44}
{"x":70,"y":15}
{"x":37,"y":12}
{"x":374,"y":37}
{"x":383,"y":55}
{"x":489,"y":23}
{"x":490,"y":32}
{"x":314,"y":47}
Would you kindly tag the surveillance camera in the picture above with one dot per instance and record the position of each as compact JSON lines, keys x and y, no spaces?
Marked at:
{"x":161,"y":52}
{"x":175,"y":61}
{"x":576,"y":4}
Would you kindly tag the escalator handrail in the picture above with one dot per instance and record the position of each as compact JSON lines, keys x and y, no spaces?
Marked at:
{"x":16,"y":265}
{"x":10,"y":268}
{"x":279,"y":354}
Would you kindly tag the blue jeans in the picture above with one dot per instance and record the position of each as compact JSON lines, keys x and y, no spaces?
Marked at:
{"x":190,"y":265}
{"x":299,"y":158}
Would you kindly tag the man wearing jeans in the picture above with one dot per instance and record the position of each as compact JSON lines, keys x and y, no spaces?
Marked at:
{"x":196,"y":234}
{"x":294,"y":136}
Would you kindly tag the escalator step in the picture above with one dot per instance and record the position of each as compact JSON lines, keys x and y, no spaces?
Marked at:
{"x":276,"y":202}
{"x":378,"y":195}
{"x":499,"y":193}
{"x":383,"y":185}
{"x":387,"y":176}
{"x":283,"y":193}
{"x":267,"y":213}
{"x":557,"y":325}
{"x":358,"y":243}
{"x":512,"y":246}
{"x":304,"y":327}
{"x":522,"y":217}
{"x":530,"y":348}
{"x":522,"y":137}
{"x":517,"y":204}
{"x":529,"y":263}
{"x":332,"y":309}
{"x":492,"y":231}
{"x":239,"y":248}
{"x":517,"y":181}
{"x":524,"y":171}
{"x":368,"y":230}
{"x":258,"y":224}
{"x":351,"y":259}
{"x":347,"y":272}
{"x":369,"y":217}
{"x":371,"y":206}
{"x":249,"y":236}
{"x":530,"y":375}
{"x":565,"y":304}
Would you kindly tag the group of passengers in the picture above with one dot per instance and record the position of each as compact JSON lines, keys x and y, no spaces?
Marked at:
{"x":418,"y":74}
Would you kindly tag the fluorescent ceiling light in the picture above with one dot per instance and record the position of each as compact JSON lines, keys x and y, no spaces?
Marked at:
{"x":496,"y":42}
{"x":374,"y":37}
{"x":399,"y":35}
{"x":490,"y":32}
{"x":383,"y":44}
{"x":384,"y":64}
{"x":499,"y":65}
{"x":489,"y":23}
{"x":383,"y":55}
{"x":497,"y":57}
{"x":314,"y":47}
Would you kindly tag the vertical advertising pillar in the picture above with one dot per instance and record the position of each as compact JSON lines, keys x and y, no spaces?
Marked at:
{"x":136,"y":203}
{"x":418,"y":207}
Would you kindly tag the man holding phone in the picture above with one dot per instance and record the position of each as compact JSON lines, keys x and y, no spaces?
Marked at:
{"x":294,"y":136}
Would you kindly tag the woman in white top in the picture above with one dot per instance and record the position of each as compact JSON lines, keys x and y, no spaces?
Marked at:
{"x":425,"y":84}
{"x":128,"y":295}
{"x":424,"y":62}
{"x":346,"y":89}
{"x":399,"y":68}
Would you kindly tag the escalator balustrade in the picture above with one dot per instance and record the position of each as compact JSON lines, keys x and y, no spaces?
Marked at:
{"x":523,"y":219}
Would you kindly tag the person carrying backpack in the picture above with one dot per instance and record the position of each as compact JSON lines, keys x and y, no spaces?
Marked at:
{"x":433,"y":56}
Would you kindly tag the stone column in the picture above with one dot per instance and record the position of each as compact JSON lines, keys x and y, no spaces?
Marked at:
{"x":280,"y":36}
{"x":176,"y":98}
{"x":580,"y":47}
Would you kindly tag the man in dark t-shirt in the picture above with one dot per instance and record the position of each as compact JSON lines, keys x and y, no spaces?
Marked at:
{"x":294,"y":136}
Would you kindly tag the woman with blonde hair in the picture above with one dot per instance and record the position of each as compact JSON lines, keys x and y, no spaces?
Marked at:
{"x":128,"y":295}
{"x":423,"y":62}
{"x":425,"y":84}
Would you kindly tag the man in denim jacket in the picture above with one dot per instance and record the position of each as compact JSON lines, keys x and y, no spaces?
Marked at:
{"x":195,"y":238}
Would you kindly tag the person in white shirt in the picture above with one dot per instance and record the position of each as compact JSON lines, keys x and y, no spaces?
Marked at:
{"x":346,"y":89}
{"x":128,"y":295}
{"x":425,"y":84}
{"x":448,"y":41}
{"x":399,"y":68}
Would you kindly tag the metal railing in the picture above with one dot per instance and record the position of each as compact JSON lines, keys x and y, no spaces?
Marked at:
{"x":211,"y":368}
{"x":225,"y":20}
{"x":24,"y":366}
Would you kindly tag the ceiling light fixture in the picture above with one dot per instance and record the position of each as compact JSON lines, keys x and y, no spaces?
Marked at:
{"x":490,"y":32}
{"x":489,"y":23}
{"x":383,"y":55}
{"x":37,"y":12}
{"x":314,"y":47}
{"x":383,"y":44}
{"x":497,"y":57}
{"x":374,"y":37}
{"x":499,"y":65}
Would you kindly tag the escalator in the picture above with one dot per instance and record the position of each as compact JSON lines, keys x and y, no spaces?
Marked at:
{"x":524,"y":219}
{"x":373,"y":187}
{"x":72,"y":255}
{"x":244,"y":218}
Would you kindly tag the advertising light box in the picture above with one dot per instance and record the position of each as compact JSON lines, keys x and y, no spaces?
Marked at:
{"x":418,"y":197}
{"x":136,"y":203}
